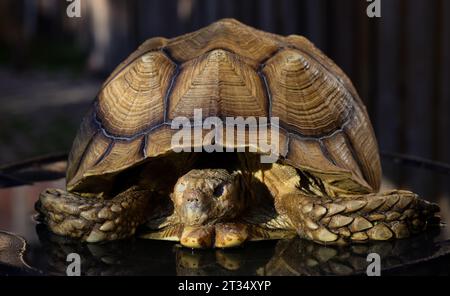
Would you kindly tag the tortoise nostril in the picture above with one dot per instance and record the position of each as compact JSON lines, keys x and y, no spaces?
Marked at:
{"x":193,"y":196}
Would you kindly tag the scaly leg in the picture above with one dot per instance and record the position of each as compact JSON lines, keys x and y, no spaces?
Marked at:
{"x":379,"y":216}
{"x":93,"y":220}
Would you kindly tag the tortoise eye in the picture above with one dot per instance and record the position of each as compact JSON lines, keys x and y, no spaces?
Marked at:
{"x":180,"y":187}
{"x":218,"y":191}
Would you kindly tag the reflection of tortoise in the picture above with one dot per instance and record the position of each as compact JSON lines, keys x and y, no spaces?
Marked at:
{"x":122,"y":167}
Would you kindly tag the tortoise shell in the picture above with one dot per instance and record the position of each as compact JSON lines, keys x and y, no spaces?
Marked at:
{"x":227,"y":69}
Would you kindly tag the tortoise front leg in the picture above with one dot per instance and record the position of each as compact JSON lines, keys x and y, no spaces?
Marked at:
{"x":90,"y":219}
{"x":360,"y":218}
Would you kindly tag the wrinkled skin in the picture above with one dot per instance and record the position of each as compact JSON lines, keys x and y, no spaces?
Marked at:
{"x":203,"y":197}
{"x":209,"y":204}
{"x":206,"y":202}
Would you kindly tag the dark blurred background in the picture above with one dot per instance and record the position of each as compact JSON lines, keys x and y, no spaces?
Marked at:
{"x":51,"y":66}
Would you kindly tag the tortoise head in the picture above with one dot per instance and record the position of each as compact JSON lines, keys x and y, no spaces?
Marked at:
{"x":206,"y":196}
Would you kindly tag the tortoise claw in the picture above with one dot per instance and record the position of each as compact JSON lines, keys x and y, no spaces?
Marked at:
{"x":222,"y":235}
{"x":230,"y":235}
{"x":197,"y":237}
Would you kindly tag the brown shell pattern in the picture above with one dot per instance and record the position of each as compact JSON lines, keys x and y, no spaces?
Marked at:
{"x":228,"y":69}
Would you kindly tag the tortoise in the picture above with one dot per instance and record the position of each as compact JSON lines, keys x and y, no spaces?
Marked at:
{"x":125,"y":177}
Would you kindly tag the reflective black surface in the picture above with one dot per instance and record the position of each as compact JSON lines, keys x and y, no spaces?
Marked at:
{"x":46,"y":253}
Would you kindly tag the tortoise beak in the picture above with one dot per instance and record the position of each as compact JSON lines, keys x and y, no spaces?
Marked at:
{"x":195,"y":207}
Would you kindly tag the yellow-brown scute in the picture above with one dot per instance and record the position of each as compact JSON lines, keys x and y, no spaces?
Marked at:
{"x":227,"y":33}
{"x":304,"y":96}
{"x":221,"y":84}
{"x":134,"y":100}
